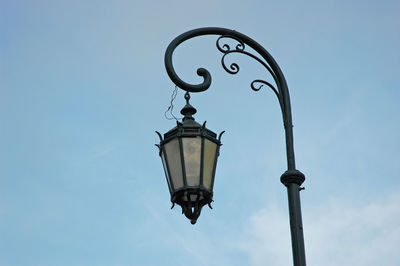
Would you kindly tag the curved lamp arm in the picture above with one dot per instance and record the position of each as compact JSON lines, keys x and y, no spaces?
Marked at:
{"x":266,"y":60}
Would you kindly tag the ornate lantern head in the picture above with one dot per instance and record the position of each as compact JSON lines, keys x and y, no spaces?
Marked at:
{"x":189,"y":155}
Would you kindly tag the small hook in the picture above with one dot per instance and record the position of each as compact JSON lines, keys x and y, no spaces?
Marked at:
{"x":187,"y":97}
{"x":220,"y":135}
{"x":159,"y":135}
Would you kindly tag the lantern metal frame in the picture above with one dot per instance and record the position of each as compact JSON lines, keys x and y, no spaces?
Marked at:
{"x":190,"y":197}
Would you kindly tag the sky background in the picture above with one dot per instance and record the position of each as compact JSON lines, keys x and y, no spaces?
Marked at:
{"x":83,"y":88}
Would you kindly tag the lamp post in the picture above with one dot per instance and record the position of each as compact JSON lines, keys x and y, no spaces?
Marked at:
{"x":192,"y":197}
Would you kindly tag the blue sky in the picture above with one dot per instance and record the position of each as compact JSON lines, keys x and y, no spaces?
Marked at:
{"x":83,"y":88}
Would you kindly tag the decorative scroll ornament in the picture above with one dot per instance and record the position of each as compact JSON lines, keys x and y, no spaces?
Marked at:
{"x":234,"y":67}
{"x":260,"y":55}
{"x":226,"y":49}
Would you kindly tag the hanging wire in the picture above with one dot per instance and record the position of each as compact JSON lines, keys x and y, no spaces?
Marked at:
{"x":171,"y":106}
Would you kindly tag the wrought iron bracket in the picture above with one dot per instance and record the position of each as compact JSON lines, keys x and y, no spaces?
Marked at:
{"x":263,"y":57}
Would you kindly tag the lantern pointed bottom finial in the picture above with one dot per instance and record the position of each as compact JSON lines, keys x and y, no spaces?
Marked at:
{"x":192,"y":213}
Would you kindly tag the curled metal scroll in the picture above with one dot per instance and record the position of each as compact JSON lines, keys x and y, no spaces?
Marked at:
{"x":226,"y":47}
{"x":263,"y":57}
{"x":234,"y":67}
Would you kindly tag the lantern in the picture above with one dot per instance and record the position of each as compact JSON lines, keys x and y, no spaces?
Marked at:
{"x":189,"y":155}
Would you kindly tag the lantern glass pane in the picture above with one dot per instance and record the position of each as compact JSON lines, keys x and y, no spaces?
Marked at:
{"x":192,"y":155}
{"x":166,"y":171}
{"x":174,"y":162}
{"x":210,"y":153}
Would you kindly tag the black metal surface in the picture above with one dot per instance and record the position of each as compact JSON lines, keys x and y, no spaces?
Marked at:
{"x":292,"y":178}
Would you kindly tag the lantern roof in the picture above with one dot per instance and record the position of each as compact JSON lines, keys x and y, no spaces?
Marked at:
{"x":189,"y":127}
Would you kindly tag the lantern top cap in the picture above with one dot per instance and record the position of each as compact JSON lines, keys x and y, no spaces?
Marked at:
{"x":189,"y":127}
{"x":188,"y":110}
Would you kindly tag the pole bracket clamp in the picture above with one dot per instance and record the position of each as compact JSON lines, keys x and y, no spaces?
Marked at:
{"x":292,"y":176}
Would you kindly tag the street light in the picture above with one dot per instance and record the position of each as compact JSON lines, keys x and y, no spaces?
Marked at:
{"x":196,"y":196}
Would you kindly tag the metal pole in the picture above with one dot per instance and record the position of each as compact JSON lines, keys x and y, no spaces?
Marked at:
{"x":296,"y":225}
{"x":292,"y":178}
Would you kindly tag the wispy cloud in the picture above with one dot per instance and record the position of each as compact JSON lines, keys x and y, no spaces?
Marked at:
{"x":338,"y":233}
